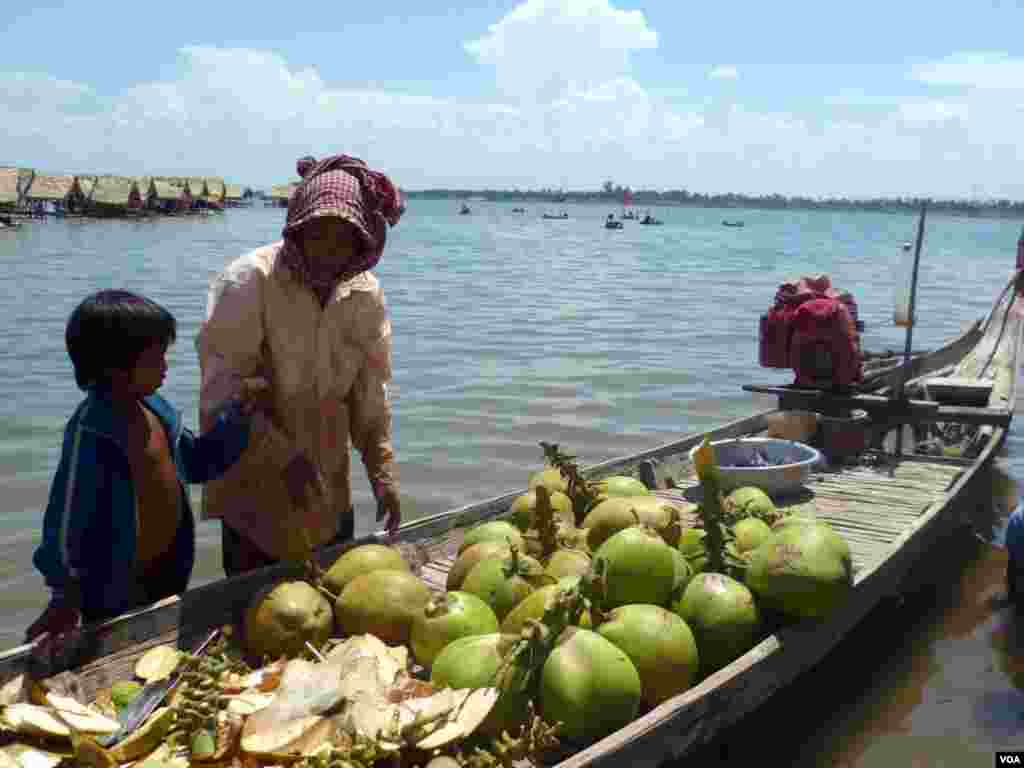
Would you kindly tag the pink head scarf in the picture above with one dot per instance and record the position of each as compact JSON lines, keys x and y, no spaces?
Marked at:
{"x":346,"y":188}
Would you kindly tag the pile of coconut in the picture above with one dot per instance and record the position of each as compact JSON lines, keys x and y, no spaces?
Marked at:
{"x":591,"y":603}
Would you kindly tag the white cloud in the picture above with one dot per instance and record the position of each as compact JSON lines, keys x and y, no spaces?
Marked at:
{"x":977,"y":69}
{"x":249,"y":114}
{"x":724,"y":73}
{"x":543,"y":49}
{"x":932,"y":111}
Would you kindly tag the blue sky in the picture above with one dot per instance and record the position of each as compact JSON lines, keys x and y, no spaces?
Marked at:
{"x":860,"y":99}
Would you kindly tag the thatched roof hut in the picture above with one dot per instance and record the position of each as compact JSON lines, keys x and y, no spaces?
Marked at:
{"x":145,"y":186}
{"x":170,"y":188}
{"x":197,"y":186}
{"x":233,"y":192}
{"x":215,"y":188}
{"x":10,"y":195}
{"x":283,"y":192}
{"x":86,"y":184}
{"x":115,"y":192}
{"x":51,"y":188}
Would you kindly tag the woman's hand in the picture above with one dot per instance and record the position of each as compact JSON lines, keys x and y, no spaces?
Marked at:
{"x":390,"y":506}
{"x":256,"y":395}
{"x":54,"y":630}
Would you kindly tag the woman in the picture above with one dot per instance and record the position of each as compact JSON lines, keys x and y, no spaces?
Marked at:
{"x":307,"y":315}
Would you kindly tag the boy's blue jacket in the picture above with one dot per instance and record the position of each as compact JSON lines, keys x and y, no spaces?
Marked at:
{"x":90,"y":520}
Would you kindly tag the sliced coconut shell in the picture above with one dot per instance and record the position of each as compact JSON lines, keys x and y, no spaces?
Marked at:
{"x":15,"y":690}
{"x":390,"y":660}
{"x":427,"y":723}
{"x":35,"y":720}
{"x":286,"y":739}
{"x":80,"y":717}
{"x":146,"y":737}
{"x":249,"y":702}
{"x":468,"y":715}
{"x":157,"y":663}
{"x":26,"y":756}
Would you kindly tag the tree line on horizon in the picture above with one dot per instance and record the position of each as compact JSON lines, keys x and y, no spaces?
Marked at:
{"x":614,"y":194}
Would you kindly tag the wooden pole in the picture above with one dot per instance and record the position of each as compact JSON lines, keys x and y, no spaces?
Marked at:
{"x":900,"y":393}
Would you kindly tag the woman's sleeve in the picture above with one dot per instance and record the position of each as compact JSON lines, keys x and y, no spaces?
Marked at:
{"x":230,"y":347}
{"x":370,"y":404}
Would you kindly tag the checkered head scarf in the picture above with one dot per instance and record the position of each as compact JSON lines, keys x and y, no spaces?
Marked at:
{"x":344,"y":187}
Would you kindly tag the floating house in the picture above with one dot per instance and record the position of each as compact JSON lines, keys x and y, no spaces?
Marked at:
{"x":10,"y":190}
{"x":215,"y":188}
{"x":55,"y":194}
{"x":146,"y":192}
{"x":233,"y":195}
{"x":171,"y":194}
{"x":280,"y":194}
{"x":114,"y":196}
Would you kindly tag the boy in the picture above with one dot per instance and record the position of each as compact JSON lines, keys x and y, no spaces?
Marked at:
{"x":118,"y":532}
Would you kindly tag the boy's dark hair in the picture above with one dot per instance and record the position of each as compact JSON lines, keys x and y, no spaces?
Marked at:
{"x":111,"y":329}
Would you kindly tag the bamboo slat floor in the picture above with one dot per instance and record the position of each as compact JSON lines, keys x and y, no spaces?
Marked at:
{"x":869,"y":507}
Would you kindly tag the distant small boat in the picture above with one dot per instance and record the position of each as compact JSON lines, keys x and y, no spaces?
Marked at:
{"x":555,"y":216}
{"x":610,"y":224}
{"x":727,"y":223}
{"x":651,"y":221}
{"x":464,"y":210}
{"x":518,"y":210}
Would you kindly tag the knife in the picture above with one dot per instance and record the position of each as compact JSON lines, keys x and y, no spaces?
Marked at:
{"x":152,"y":694}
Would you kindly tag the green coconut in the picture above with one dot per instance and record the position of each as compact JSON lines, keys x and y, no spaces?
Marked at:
{"x":504,"y":583}
{"x":692,"y":547}
{"x":471,"y":556}
{"x":796,"y":519}
{"x":750,"y":501}
{"x":536,"y":603}
{"x":481,"y":661}
{"x":723,"y":616}
{"x":567,"y":562}
{"x":589,"y":686}
{"x":621,"y":485}
{"x":638,"y":567}
{"x":660,"y":645}
{"x":360,"y":560}
{"x":524,"y":509}
{"x":447,"y":618}
{"x":683,"y":573}
{"x":382,"y":603}
{"x":494,"y":530}
{"x":551,"y":478}
{"x":802,"y":570}
{"x":750,"y":533}
{"x":616,"y":513}
{"x":283,"y":617}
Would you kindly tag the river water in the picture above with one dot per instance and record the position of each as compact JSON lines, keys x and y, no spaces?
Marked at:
{"x":509,"y":330}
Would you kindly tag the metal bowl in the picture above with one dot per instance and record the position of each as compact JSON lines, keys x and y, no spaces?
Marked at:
{"x":790,"y":463}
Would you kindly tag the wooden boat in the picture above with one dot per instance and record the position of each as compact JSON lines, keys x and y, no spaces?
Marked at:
{"x":727,"y":223}
{"x":555,"y":216}
{"x":890,"y":514}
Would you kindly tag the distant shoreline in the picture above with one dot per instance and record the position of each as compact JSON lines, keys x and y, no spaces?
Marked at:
{"x":1002,"y":209}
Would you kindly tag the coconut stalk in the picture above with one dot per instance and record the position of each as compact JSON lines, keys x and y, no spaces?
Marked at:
{"x":547,"y":527}
{"x":583,"y":493}
{"x":711,"y":507}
